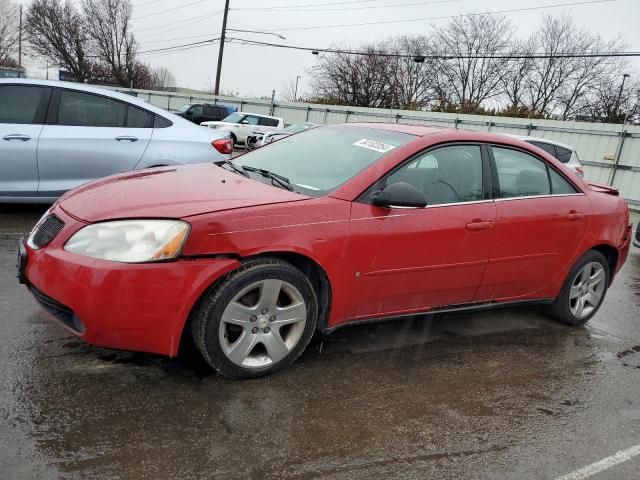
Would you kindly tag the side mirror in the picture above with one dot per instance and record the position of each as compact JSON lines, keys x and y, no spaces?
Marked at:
{"x":399,"y":194}
{"x":244,"y":122}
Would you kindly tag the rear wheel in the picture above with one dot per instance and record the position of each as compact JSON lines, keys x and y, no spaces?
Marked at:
{"x":234,"y":140}
{"x":257,"y":321}
{"x":583,"y":291}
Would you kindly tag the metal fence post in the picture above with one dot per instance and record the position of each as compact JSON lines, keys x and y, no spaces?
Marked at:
{"x":616,"y":162}
{"x":489,"y":124}
{"x":346,"y":117}
{"x":306,"y":118}
{"x":326,"y":111}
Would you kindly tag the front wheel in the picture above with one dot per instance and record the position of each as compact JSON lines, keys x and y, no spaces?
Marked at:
{"x":257,"y":321}
{"x":583,"y":291}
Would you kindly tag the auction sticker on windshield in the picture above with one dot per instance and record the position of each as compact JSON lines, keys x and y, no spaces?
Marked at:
{"x":373,"y":145}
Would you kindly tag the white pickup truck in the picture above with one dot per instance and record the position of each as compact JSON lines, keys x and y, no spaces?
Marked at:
{"x":241,"y":124}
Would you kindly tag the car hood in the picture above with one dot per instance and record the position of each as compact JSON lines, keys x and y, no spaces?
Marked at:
{"x":170,"y":192}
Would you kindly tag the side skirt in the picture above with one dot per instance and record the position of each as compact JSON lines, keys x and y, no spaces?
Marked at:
{"x":325,"y":330}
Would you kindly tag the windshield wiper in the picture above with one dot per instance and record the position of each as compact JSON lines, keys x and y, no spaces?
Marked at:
{"x":232,"y":166}
{"x":284,"y":182}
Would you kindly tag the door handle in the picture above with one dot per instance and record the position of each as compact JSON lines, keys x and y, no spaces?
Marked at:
{"x":16,"y":136}
{"x":127,"y":137}
{"x":479,"y":225}
{"x":573,"y":215}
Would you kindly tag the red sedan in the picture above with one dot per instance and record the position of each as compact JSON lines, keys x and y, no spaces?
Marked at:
{"x":337,"y":225}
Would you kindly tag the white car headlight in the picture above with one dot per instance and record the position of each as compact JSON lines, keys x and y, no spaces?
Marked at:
{"x":130,"y":241}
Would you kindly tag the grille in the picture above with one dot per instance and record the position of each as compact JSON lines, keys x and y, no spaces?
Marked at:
{"x":46,"y":231}
{"x":63,"y":313}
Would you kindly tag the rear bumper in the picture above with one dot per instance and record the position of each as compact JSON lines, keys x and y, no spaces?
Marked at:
{"x":140,"y":307}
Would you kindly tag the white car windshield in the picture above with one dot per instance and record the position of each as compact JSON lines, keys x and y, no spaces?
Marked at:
{"x":321,"y":159}
{"x":235,"y":117}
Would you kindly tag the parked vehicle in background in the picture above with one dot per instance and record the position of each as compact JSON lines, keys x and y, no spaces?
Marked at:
{"x":204,"y":112}
{"x":55,"y":136}
{"x":259,"y":139}
{"x":336,"y":225}
{"x":636,"y":239}
{"x":6,"y":72}
{"x":563,"y":152}
{"x":241,"y":124}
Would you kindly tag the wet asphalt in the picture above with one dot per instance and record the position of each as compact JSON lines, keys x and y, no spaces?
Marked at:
{"x":504,"y":394}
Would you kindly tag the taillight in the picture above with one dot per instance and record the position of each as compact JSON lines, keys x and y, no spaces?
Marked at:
{"x":223,"y":145}
{"x":580,"y":171}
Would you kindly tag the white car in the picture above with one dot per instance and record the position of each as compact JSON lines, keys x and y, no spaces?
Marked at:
{"x":242,"y":124}
{"x":563,"y":152}
{"x":55,"y":136}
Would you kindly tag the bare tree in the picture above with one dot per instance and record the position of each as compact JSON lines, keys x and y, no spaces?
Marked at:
{"x":56,"y":32}
{"x":162,"y":79}
{"x":605,"y":103}
{"x":288,"y":91}
{"x":517,"y":73}
{"x":8,"y":31}
{"x":471,"y":80}
{"x":108,"y":24}
{"x":361,"y":80}
{"x":411,"y":75}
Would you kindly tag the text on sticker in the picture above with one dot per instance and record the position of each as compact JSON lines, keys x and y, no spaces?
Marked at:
{"x":373,"y":145}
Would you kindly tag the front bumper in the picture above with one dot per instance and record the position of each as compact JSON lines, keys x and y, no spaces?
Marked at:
{"x":140,"y":307}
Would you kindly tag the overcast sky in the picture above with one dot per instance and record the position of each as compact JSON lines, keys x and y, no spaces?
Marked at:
{"x":256,"y":71}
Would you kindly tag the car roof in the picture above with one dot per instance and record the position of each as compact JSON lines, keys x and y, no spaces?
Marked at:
{"x":527,"y":138}
{"x":81,"y":87}
{"x":258,"y":115}
{"x":418,"y":130}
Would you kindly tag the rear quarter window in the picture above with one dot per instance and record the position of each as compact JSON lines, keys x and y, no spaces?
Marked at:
{"x":268,"y":122}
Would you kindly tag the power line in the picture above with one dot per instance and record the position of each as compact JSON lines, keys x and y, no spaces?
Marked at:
{"x":147,"y":3}
{"x":438,"y":56}
{"x":169,"y":10}
{"x":367,"y":7}
{"x":183,"y":23}
{"x":386,"y":22}
{"x":445,"y":56}
{"x":313,"y":5}
{"x":186,"y":46}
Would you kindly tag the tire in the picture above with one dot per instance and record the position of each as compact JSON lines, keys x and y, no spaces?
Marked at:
{"x":587,"y":282}
{"x":234,"y":140}
{"x":251,"y":324}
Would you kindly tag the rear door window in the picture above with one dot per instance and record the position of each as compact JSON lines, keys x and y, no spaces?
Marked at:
{"x":23,"y":104}
{"x":88,"y":110}
{"x":268,"y":122}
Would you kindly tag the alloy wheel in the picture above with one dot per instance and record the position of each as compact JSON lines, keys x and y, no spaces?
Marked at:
{"x":587,"y":290}
{"x":262,"y":323}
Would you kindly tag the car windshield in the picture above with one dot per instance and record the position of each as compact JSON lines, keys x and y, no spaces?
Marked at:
{"x":184,"y":108}
{"x":319,"y":160}
{"x":235,"y":117}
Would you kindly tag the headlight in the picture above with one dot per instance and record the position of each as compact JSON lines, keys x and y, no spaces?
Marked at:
{"x":130,"y":241}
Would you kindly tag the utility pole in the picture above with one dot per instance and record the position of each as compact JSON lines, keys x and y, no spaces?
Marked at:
{"x":624,"y":77}
{"x":295,"y":95}
{"x":20,"y":40}
{"x":216,"y":90}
